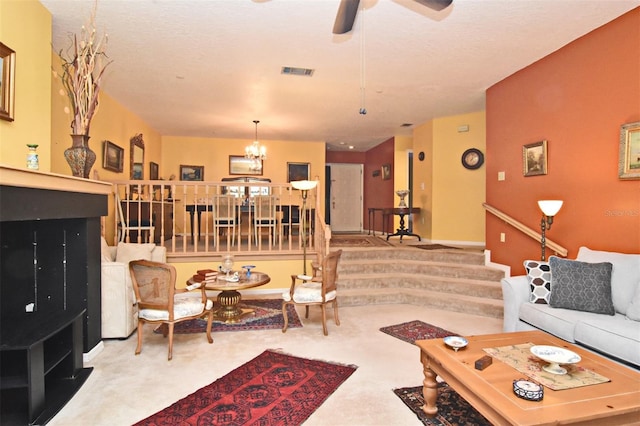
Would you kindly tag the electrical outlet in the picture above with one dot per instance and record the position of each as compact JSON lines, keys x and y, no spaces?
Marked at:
{"x":503,"y":237}
{"x":500,"y":175}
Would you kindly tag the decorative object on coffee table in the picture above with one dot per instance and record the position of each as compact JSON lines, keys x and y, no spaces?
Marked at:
{"x":83,"y":66}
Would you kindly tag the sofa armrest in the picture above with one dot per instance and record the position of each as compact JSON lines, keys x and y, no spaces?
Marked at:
{"x":119,"y":310}
{"x":515,"y":292}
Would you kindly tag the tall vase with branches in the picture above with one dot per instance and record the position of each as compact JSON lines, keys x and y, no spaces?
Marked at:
{"x":83,"y":65}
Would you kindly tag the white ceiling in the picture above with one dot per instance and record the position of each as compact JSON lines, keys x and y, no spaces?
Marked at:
{"x":209,"y":68}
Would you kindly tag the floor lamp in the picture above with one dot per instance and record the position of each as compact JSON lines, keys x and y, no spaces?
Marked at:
{"x":304,"y":186}
{"x":549,"y":209}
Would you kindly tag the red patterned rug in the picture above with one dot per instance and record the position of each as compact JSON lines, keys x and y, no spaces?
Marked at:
{"x":271,"y":389}
{"x":416,"y":330}
{"x":267,"y":315}
{"x":452,"y":408}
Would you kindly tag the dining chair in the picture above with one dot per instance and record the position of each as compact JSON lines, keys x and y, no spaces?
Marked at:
{"x":154,"y":284}
{"x":264,"y":216}
{"x":290,"y":219}
{"x":132,"y":221}
{"x":309,"y":291}
{"x":225,"y":216}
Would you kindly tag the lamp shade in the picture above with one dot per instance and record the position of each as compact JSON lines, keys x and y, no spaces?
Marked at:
{"x":304,"y":185}
{"x":550,"y":207}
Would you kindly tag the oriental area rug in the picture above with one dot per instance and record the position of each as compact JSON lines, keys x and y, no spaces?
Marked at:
{"x":452,"y":408}
{"x":267,"y":315}
{"x":416,"y":330}
{"x":271,"y":389}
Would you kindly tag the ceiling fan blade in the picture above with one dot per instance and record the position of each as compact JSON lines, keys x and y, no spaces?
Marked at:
{"x":435,"y":4}
{"x":346,"y":16}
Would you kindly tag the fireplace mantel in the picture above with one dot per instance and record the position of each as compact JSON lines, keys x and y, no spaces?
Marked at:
{"x":11,"y":176}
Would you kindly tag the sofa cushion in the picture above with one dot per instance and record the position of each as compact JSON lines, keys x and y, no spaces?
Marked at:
{"x":624,"y":276}
{"x":539,"y":279}
{"x":556,"y":321}
{"x":613,"y":335}
{"x":581,"y":286}
{"x":128,"y":252}
{"x":633,"y":310}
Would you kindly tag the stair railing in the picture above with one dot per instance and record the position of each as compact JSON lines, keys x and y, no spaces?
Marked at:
{"x":557,"y":248}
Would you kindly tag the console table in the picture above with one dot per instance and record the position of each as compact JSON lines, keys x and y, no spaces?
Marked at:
{"x":402,"y":231}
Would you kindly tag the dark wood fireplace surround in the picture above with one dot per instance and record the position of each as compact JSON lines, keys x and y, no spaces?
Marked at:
{"x":49,"y":289}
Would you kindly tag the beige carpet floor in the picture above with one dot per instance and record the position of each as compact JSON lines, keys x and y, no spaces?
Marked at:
{"x":125,"y":388}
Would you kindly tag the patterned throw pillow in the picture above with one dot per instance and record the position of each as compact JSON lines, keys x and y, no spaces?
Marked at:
{"x":539,"y":277}
{"x":581,"y":286}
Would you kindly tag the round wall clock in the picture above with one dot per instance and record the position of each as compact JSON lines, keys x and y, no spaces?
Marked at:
{"x":472,"y":159}
{"x":421,"y":156}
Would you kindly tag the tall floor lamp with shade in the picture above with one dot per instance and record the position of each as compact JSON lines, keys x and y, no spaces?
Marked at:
{"x":304,"y":186}
{"x":549,"y":208}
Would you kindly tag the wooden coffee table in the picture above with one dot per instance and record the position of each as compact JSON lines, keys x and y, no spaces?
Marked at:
{"x":490,"y":391}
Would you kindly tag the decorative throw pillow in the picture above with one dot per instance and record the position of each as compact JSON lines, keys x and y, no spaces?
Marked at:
{"x":128,"y":252}
{"x":633,"y":310}
{"x":581,"y":286}
{"x":539,"y":277}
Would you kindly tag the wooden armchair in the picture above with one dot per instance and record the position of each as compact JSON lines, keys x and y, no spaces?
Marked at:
{"x":160,"y":303}
{"x":317,"y":292}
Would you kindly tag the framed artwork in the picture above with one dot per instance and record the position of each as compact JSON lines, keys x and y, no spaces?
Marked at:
{"x":153,"y":171}
{"x":298,"y":171}
{"x":7,"y":82}
{"x":112,"y":157}
{"x":241,"y":165}
{"x":534,"y":159}
{"x":386,"y":171}
{"x":191,"y":172}
{"x":375,"y":173}
{"x":629,"y":161}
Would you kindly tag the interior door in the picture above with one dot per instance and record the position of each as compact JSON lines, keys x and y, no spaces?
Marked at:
{"x":345,"y":189}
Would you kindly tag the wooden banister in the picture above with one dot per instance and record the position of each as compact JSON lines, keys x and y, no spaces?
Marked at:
{"x":557,"y":248}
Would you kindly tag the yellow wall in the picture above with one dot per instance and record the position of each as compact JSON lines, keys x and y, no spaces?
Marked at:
{"x":25,"y":27}
{"x":423,"y":140}
{"x":402,"y":145}
{"x":452,"y":199}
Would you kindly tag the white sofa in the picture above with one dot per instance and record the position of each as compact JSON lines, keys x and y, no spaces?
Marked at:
{"x":617,"y":335}
{"x":119,"y":310}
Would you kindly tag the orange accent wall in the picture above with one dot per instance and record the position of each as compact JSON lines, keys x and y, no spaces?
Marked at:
{"x":576,"y":98}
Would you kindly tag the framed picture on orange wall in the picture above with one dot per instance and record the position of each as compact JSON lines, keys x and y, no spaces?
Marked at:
{"x":534,"y":159}
{"x":629,"y":161}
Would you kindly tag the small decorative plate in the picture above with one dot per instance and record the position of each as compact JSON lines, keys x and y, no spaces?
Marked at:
{"x":456,"y":342}
{"x":555,"y":356}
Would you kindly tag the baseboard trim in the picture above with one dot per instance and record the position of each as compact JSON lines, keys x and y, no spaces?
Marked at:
{"x":89,"y":356}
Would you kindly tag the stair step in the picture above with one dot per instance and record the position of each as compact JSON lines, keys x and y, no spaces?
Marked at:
{"x":454,"y":280}
{"x":433,"y":299}
{"x":419,"y":267}
{"x":465,"y":286}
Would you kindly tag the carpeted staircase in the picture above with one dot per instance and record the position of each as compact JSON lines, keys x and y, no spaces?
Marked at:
{"x":453,"y":280}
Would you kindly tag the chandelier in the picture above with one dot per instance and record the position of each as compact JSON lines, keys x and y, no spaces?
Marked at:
{"x":255,"y":152}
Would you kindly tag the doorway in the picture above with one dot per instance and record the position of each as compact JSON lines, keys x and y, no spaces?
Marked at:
{"x":344,"y":189}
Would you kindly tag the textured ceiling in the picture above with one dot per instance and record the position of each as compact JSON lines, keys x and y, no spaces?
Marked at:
{"x":209,"y":68}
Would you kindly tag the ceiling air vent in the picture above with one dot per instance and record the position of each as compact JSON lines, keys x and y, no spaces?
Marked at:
{"x":297,"y":71}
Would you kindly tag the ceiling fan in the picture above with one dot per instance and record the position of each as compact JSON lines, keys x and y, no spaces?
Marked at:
{"x":348,"y":9}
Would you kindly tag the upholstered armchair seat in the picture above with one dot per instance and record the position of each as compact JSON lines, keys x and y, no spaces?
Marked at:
{"x":182,"y":307}
{"x":309,"y":292}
